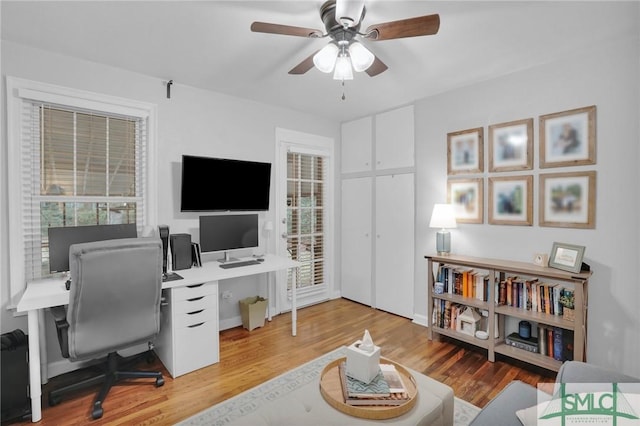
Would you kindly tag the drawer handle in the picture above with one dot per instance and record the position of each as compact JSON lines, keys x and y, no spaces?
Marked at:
{"x":193,"y":299}
{"x":195,"y":312}
{"x":195,"y":285}
{"x":195,"y":325}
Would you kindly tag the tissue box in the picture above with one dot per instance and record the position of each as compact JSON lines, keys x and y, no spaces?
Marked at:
{"x":361,"y":365}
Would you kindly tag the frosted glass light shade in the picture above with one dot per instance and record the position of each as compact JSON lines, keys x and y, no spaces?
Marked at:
{"x":343,"y":69}
{"x":361,"y":57}
{"x":325,"y":59}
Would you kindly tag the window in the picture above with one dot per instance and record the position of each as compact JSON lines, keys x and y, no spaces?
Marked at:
{"x":75,"y":158}
{"x":305,"y":216}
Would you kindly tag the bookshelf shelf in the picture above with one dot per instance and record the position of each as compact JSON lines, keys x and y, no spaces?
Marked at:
{"x":502,"y":316}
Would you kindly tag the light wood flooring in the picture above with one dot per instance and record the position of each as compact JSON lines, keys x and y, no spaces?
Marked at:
{"x":248,"y":358}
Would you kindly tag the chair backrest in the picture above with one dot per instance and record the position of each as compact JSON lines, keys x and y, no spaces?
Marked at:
{"x":114,"y":300}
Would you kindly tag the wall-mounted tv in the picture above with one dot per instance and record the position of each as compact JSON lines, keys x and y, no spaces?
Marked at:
{"x":219,"y":184}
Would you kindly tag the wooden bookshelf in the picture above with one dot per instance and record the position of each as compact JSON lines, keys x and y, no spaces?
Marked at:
{"x":497,"y":270}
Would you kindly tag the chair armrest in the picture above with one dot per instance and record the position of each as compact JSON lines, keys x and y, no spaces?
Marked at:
{"x":62,"y":326}
{"x":581,"y":372}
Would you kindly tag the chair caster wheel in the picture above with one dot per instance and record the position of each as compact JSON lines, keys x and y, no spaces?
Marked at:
{"x":159,"y":382}
{"x":97,"y":413}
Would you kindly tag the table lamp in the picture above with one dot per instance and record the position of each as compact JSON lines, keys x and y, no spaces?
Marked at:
{"x":443,"y":217}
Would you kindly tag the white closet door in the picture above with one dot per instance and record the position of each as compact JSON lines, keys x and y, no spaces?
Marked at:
{"x":356,"y":145}
{"x":395,"y":139}
{"x":356,"y":239}
{"x":394,"y":267}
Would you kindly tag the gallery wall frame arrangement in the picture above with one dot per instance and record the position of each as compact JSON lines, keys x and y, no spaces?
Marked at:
{"x":567,"y":200}
{"x":465,"y":151}
{"x":567,"y":257}
{"x":511,"y":200}
{"x":568,"y":138}
{"x":467,"y":198}
{"x":511,"y":146}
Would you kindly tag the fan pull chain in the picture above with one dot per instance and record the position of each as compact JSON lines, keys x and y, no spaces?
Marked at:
{"x":343,"y":95}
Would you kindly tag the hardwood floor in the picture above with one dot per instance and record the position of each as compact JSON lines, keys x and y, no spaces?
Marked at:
{"x":248,"y":358}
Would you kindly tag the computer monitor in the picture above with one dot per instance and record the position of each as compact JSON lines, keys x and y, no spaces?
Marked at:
{"x":228,"y":232}
{"x":61,"y":238}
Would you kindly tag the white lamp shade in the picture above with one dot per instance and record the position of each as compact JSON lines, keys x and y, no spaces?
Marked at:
{"x":343,"y":69}
{"x":325,"y":59}
{"x":361,"y":57}
{"x":349,"y":12}
{"x":443,"y":216}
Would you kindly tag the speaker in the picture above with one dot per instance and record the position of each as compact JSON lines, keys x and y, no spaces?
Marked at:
{"x":181,"y":251}
{"x":163,"y":230}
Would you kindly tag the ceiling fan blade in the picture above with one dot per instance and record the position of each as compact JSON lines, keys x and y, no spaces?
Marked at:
{"x":376,"y":68}
{"x":411,"y":27}
{"x":265,"y":27}
{"x":304,"y":66}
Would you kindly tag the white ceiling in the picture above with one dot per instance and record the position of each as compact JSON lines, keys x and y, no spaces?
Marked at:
{"x":208,"y":44}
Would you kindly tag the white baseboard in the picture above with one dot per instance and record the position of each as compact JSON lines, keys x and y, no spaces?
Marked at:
{"x":420,"y":320}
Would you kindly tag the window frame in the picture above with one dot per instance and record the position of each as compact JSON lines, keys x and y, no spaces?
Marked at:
{"x":20,"y":91}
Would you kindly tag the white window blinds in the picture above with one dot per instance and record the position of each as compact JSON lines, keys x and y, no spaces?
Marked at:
{"x":306,"y":192}
{"x":79,"y":167}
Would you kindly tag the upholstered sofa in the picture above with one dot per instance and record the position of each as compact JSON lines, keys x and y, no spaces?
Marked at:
{"x":501,"y":411}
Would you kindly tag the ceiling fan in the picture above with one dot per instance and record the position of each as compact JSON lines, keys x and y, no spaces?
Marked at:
{"x":342,"y":20}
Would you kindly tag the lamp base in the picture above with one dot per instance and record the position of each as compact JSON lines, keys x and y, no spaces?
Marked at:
{"x":443,"y":242}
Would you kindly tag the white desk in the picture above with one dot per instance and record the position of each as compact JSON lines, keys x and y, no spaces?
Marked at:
{"x":46,"y":293}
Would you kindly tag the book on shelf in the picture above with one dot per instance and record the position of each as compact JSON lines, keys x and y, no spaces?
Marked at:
{"x":388,"y":398}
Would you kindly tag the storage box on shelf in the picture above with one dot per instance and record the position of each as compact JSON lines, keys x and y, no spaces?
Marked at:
{"x":455,"y":282}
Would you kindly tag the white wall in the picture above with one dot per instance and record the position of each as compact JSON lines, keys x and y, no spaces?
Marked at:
{"x":193,"y":121}
{"x":605,"y":76}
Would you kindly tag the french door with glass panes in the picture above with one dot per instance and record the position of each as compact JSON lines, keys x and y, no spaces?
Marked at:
{"x":305,"y":216}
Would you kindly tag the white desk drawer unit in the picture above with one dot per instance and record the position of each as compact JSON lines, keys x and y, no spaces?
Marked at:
{"x":189,"y":332}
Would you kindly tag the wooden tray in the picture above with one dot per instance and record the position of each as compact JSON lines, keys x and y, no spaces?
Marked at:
{"x":331,"y":390}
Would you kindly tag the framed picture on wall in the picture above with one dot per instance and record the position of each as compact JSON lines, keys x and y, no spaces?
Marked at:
{"x":465,"y":152}
{"x":568,"y":200}
{"x":511,"y":146}
{"x":466,"y":195}
{"x":511,"y":200}
{"x":568,"y":138}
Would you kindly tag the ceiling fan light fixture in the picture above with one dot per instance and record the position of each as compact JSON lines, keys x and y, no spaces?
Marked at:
{"x":325,"y":59}
{"x":343,"y":69}
{"x":349,"y":12}
{"x":361,"y":57}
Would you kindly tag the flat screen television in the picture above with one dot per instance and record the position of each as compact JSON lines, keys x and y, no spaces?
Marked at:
{"x":218,"y":184}
{"x":222,"y":233}
{"x":61,"y":238}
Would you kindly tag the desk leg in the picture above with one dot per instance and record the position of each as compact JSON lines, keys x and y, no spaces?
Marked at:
{"x":269,"y":295}
{"x":294,"y":312}
{"x":34,"y":365}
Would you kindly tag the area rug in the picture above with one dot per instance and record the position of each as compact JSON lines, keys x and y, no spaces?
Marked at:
{"x":251,"y":400}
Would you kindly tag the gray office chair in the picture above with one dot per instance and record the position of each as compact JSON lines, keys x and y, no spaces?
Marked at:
{"x":114,"y":303}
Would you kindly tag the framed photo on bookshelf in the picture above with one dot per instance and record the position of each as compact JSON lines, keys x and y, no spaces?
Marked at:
{"x":511,"y":146}
{"x":567,"y":257}
{"x":466,"y":196}
{"x":568,"y":138}
{"x":568,"y":200}
{"x":465,"y":152}
{"x":511,"y":200}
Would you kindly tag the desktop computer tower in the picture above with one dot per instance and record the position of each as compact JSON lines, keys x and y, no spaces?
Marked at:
{"x":181,"y":257}
{"x":16,"y":404}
